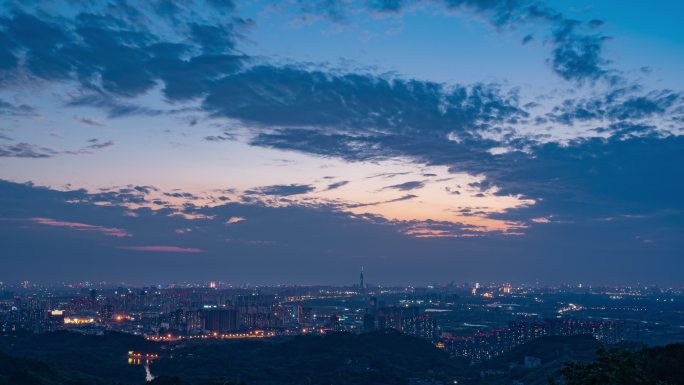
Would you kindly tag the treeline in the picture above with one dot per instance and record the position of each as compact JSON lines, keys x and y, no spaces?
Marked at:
{"x":378,"y":358}
{"x":662,"y":365}
{"x":66,"y":358}
{"x":383,"y":357}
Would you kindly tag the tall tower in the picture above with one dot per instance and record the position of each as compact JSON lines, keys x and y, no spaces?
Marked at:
{"x":361,"y":279}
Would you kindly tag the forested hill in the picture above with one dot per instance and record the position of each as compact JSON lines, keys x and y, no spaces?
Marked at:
{"x":379,"y":358}
{"x":385,"y":357}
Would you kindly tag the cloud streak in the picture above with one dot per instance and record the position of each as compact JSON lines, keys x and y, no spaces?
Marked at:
{"x":282,"y":190}
{"x":406,"y":186}
{"x":162,"y":249}
{"x":336,"y":185}
{"x":110,"y":231}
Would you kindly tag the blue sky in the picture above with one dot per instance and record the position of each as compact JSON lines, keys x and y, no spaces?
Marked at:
{"x":293,"y":142}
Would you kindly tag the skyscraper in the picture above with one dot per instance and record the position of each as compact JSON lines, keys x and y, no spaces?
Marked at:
{"x":361,"y":279}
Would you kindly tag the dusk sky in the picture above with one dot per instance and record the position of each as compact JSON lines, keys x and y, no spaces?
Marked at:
{"x":285,"y":142}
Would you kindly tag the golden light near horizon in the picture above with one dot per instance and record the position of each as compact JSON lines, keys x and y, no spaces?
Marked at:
{"x":369,"y":188}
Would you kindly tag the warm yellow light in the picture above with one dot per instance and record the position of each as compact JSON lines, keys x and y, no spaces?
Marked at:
{"x":78,"y":321}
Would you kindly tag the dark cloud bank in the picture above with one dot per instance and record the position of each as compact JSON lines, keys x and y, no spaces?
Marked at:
{"x":311,"y":245}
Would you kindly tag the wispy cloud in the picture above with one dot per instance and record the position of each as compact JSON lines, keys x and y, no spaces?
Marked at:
{"x":576,"y":46}
{"x":400,"y":199}
{"x":9,"y":109}
{"x":226,"y":136}
{"x":111,"y":231}
{"x":406,"y":186}
{"x":282,"y":190}
{"x":336,"y":185}
{"x":26,"y":150}
{"x":163,"y":249}
{"x":303,"y":234}
{"x":233,"y":220}
{"x":89,"y":121}
{"x":96,"y":144}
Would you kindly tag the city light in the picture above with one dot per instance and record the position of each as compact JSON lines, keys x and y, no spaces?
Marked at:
{"x":78,"y":321}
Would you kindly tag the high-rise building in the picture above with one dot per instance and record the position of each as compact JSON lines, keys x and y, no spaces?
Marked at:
{"x":420,"y":326}
{"x":306,"y":315}
{"x":220,"y":320}
{"x":106,"y":313}
{"x":93,"y":299}
{"x":368,"y":323}
{"x":194,"y":321}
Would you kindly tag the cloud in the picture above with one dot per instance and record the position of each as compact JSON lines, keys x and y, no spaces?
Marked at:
{"x":484,"y":118}
{"x":366,"y":117}
{"x":163,"y":249}
{"x":596,"y":178}
{"x":111,"y":231}
{"x":95,"y":144}
{"x":115,"y":107}
{"x":577,"y":56}
{"x":282,"y":190}
{"x":220,"y":138}
{"x":177,"y":194}
{"x":387,"y":5}
{"x":114,"y":64}
{"x":9,"y":109}
{"x":114,"y":56}
{"x":452,"y":191}
{"x":304,"y":239}
{"x":437,"y":229}
{"x":400,"y":199}
{"x":25,"y":150}
{"x":89,"y":121}
{"x":624,"y":162}
{"x":222,"y":5}
{"x":126,"y":195}
{"x":577,"y":47}
{"x":213,"y":38}
{"x":233,"y":220}
{"x":351,"y":116}
{"x":290,"y":96}
{"x":336,"y":185}
{"x":626,"y":105}
{"x":387,"y":175}
{"x":577,"y":53}
{"x":406,"y":186}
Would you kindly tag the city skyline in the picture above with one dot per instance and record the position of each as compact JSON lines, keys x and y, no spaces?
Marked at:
{"x":327,"y":142}
{"x":194,"y":332}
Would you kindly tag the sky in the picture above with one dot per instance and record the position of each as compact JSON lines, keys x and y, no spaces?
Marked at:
{"x":294,"y":142}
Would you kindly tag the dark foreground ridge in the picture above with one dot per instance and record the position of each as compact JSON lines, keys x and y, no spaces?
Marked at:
{"x":382,"y":357}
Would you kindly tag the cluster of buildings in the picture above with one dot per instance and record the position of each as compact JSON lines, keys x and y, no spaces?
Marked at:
{"x":485,"y":345}
{"x":148,"y":311}
{"x":209,"y":311}
{"x":441,"y":315}
{"x":408,"y":319}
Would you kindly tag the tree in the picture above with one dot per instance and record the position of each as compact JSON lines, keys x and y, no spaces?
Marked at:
{"x":611,"y":367}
